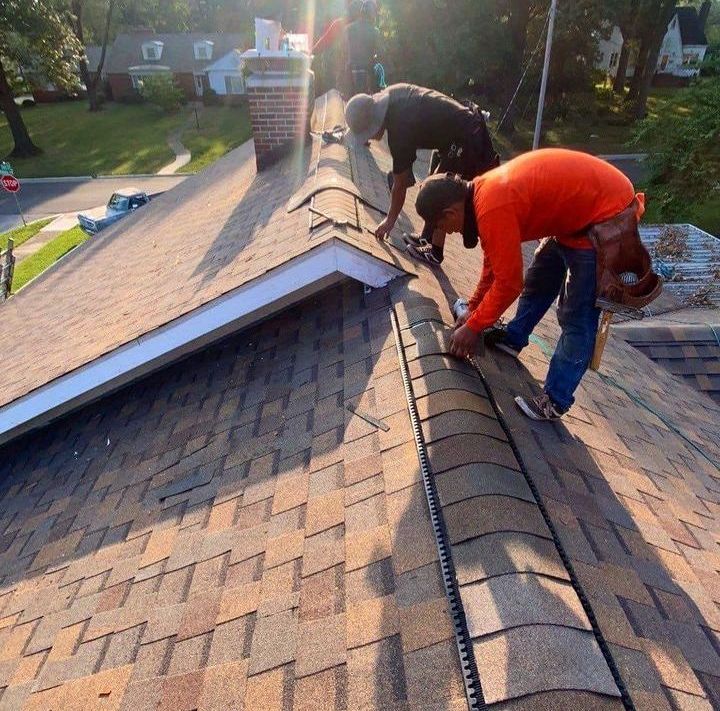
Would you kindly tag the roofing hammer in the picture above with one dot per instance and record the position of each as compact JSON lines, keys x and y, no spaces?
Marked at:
{"x":609,"y":309}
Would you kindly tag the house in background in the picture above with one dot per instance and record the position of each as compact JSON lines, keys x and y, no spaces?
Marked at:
{"x":684,"y":46}
{"x":681,"y":54}
{"x":136,"y":56}
{"x":609,"y":52}
{"x":225,"y":76}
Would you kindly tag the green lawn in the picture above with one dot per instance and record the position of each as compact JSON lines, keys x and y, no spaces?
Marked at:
{"x":37,"y":263}
{"x":222,"y":128}
{"x":23,"y":234}
{"x":118,"y":140}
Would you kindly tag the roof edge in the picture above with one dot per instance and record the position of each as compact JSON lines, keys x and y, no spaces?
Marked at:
{"x":295,"y":280}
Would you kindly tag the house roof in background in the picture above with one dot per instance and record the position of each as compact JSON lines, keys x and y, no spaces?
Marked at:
{"x":178,"y":50}
{"x":691,"y":31}
{"x":688,"y":259}
{"x":230,"y":61}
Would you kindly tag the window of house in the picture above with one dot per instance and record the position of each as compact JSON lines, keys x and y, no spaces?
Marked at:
{"x":233,"y":85}
{"x":602,"y":57}
{"x":614,"y":59}
{"x":690,"y":60}
{"x":204,"y":49}
{"x":152,"y":50}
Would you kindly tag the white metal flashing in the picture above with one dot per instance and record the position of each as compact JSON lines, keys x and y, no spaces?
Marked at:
{"x":300,"y":277}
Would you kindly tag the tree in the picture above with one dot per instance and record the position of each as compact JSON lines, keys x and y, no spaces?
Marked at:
{"x":38,"y":28}
{"x":626,"y":19}
{"x":159,"y":15}
{"x":684,"y":158}
{"x":91,"y":81}
{"x":653,"y":19}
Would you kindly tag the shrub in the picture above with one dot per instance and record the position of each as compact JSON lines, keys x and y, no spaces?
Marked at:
{"x":211,"y":98}
{"x":684,"y":156}
{"x":161,"y":90}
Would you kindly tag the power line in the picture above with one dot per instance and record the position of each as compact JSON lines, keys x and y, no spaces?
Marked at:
{"x":524,"y":74}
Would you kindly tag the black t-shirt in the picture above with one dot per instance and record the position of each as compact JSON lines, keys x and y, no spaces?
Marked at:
{"x":423,"y":118}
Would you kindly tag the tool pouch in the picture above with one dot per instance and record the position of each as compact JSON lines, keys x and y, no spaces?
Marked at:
{"x":619,"y":249}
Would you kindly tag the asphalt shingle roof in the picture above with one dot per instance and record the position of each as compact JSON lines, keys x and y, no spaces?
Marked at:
{"x":218,"y":231}
{"x":225,"y":533}
{"x":691,"y":31}
{"x":689,"y":351}
{"x":178,"y":50}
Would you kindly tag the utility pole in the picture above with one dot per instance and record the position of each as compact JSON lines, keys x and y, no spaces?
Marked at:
{"x":546,"y":71}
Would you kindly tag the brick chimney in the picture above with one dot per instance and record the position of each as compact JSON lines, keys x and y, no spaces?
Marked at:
{"x":280,"y":92}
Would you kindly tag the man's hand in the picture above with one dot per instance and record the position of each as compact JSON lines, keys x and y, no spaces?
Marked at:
{"x":460,"y":320}
{"x":383,"y":230}
{"x":463,"y":342}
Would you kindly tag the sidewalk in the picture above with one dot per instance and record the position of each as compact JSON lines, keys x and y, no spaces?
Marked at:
{"x":182,"y":155}
{"x":47,"y":234}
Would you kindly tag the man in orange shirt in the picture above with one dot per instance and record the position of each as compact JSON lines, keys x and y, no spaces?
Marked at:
{"x":550,"y":194}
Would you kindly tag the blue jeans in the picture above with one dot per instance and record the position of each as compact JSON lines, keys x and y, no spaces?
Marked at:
{"x":570,"y":274}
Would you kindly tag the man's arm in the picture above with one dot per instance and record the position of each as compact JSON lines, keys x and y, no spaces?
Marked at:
{"x":401,"y":182}
{"x":486,"y":281}
{"x":501,"y":245}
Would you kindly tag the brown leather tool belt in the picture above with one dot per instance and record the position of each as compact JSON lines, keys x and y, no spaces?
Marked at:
{"x":619,"y":250}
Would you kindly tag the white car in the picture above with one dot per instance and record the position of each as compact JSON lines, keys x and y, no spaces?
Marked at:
{"x":121,"y":203}
{"x":25,"y":100}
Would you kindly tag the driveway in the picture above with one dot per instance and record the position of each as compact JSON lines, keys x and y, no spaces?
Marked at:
{"x":44,"y":198}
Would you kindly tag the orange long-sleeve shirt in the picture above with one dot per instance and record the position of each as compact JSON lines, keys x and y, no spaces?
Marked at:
{"x":550,"y":192}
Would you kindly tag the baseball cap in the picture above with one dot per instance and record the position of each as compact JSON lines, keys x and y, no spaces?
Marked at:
{"x":437,"y":193}
{"x":365,"y":115}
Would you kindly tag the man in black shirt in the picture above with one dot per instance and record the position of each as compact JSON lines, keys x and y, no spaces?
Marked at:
{"x":415,"y":118}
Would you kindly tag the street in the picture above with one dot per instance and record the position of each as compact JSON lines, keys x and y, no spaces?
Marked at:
{"x":47,"y":198}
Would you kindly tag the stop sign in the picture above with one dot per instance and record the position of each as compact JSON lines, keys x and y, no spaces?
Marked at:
{"x":10,"y":183}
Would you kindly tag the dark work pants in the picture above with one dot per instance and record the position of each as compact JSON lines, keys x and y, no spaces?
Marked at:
{"x":570,"y":274}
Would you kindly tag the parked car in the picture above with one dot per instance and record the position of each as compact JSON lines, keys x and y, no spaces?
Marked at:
{"x":121,"y":203}
{"x":25,"y":100}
